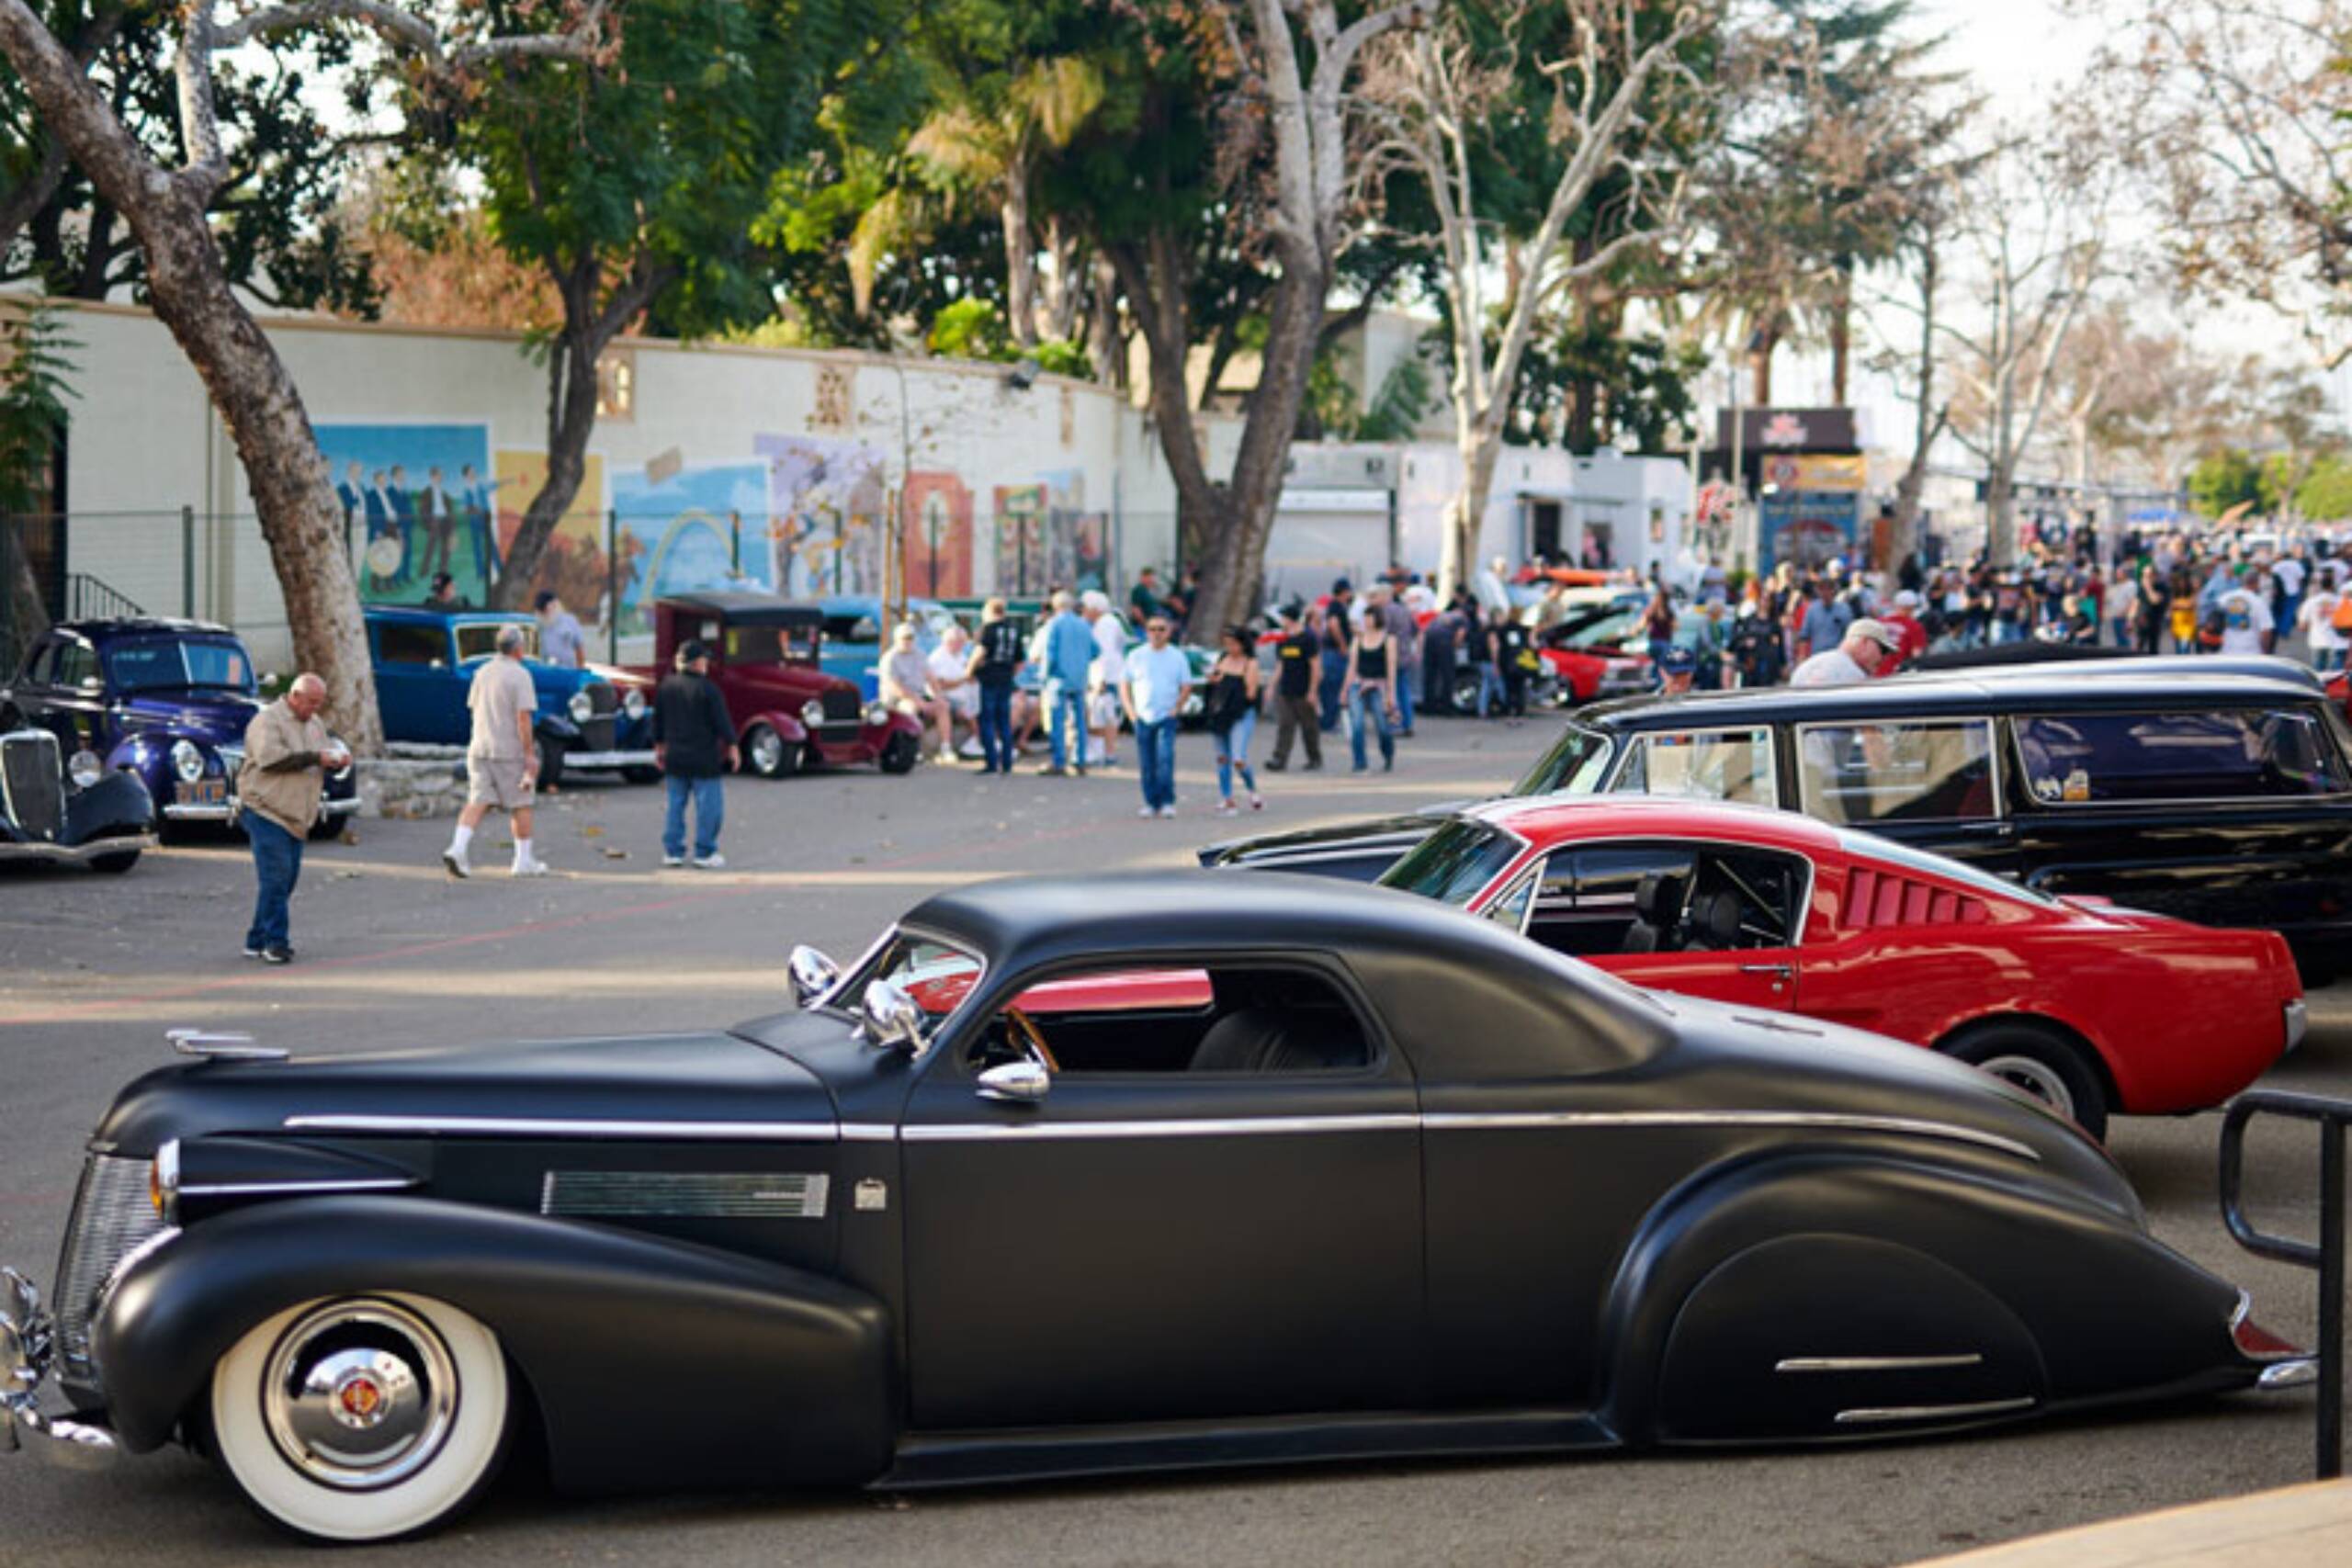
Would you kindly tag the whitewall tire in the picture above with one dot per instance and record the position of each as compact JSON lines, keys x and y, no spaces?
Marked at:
{"x":362,"y":1418}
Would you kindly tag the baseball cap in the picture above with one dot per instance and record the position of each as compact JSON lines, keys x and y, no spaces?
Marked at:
{"x":1677,"y":661}
{"x":1906,"y":600}
{"x":1877,"y":632}
{"x":1342,"y":586}
{"x":691,"y":649}
{"x":1293,"y":610}
{"x":545,"y":598}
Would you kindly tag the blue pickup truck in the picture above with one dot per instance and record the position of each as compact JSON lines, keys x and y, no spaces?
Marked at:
{"x":590,"y":720}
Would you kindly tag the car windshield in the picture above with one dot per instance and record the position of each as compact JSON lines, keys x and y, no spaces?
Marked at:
{"x":938,"y":975}
{"x":478,"y":639}
{"x":1454,"y":864}
{"x":147,"y":664}
{"x":1605,"y":631}
{"x":754,"y":643}
{"x":1573,"y":766}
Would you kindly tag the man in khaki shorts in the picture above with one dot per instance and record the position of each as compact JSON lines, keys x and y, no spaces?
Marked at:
{"x":502,"y":759}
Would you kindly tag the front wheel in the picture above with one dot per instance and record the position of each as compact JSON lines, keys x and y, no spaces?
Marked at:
{"x":1465,"y":694}
{"x":641,"y":775}
{"x":550,"y":761}
{"x":901,"y":752}
{"x":770,"y":755}
{"x":364,"y":1418}
{"x":116,"y":864}
{"x":2044,"y":1065}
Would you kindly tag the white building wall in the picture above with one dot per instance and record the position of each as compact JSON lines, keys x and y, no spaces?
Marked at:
{"x":145,"y":444}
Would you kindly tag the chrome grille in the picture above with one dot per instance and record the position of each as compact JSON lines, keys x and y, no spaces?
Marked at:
{"x":112,"y":1214}
{"x":32,"y":786}
{"x":596,"y":733}
{"x":788,"y":1195}
{"x":843,"y":704}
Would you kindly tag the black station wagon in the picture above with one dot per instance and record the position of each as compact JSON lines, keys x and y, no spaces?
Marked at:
{"x":2201,"y":789}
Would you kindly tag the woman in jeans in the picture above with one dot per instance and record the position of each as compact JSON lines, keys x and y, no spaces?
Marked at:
{"x":1232,"y":710}
{"x":1371,"y":692}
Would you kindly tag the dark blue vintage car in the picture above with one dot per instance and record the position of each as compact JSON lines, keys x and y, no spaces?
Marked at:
{"x":587,"y":719}
{"x":166,"y":700}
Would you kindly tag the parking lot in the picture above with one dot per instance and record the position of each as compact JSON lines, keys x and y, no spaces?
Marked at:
{"x":93,"y":970}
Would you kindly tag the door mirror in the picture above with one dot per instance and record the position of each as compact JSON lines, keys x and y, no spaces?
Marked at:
{"x":1016,"y":1083}
{"x":892,"y":1020}
{"x":813,"y":974}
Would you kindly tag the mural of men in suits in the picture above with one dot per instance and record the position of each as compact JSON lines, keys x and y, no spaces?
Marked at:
{"x":474,"y":495}
{"x":404,"y":517}
{"x":433,"y":510}
{"x":381,"y":523}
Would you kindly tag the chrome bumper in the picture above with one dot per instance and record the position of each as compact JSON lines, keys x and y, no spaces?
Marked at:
{"x":120,"y":843}
{"x":607,"y":760}
{"x":27,"y":1350}
{"x":2299,"y":1023}
{"x":227,"y":812}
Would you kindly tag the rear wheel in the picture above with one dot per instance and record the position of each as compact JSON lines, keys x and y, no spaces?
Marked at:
{"x":1465,"y":694}
{"x":364,"y":1418}
{"x":2041,"y":1061}
{"x":770,"y":755}
{"x":641,"y":775}
{"x":899,"y":753}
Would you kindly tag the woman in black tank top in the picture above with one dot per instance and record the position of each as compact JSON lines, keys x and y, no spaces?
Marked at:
{"x":1370,"y":695}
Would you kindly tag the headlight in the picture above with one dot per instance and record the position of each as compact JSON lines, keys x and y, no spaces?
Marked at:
{"x":187,"y":760}
{"x":163,"y":1182}
{"x":85,"y":769}
{"x":580,"y":709}
{"x":633,"y":704}
{"x":877,"y":714}
{"x":334,"y":743}
{"x":812,"y":712}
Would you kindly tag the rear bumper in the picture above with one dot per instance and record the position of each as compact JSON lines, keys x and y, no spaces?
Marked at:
{"x":121,"y":843}
{"x":2299,"y":1023}
{"x":27,"y":1354}
{"x":607,"y":760}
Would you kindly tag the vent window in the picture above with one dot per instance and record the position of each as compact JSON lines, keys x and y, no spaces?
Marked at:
{"x":1875,"y":901}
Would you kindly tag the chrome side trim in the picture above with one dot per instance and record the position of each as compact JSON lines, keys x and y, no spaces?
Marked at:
{"x":119,"y":843}
{"x":1870,"y":1415}
{"x":1828,"y":1120}
{"x":869,"y":1133}
{"x":759,"y":1195}
{"x":1874,"y":1363}
{"x":1202,"y":1127}
{"x":261,"y":1189}
{"x":553,"y":1127}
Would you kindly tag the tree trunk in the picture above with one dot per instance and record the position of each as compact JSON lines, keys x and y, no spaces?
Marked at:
{"x":1152,"y":275}
{"x":301,"y":521}
{"x":1759,"y":358}
{"x":1925,"y":427}
{"x":1020,"y":255}
{"x":1106,"y":344}
{"x":1065,"y":299}
{"x":1841,"y":332}
{"x":1480,"y":445}
{"x":1232,"y":565}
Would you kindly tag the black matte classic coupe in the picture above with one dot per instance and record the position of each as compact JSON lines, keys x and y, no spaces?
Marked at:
{"x":1090,"y":1174}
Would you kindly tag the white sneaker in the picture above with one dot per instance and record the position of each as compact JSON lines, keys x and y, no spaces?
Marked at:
{"x":1148,"y":811}
{"x":1227,"y":809}
{"x":673,"y":862}
{"x":532,"y":867}
{"x":947,"y":757}
{"x":1167,"y":811}
{"x":454,"y":864}
{"x":711,"y":862}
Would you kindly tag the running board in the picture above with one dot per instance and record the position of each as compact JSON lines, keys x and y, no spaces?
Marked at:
{"x":1053,"y":1453}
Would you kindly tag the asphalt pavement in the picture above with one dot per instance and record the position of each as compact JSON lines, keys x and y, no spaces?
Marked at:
{"x":93,"y":970}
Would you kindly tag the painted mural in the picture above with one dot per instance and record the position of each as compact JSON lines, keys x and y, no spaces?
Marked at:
{"x":827,"y":500}
{"x":418,"y":500}
{"x":1045,"y":538}
{"x":573,"y":565}
{"x":692,"y":528}
{"x":935,"y":536}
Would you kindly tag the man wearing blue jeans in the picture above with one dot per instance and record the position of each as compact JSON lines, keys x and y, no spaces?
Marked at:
{"x":289,"y":754}
{"x":1158,"y":675}
{"x":694,"y":744}
{"x":1069,"y":654}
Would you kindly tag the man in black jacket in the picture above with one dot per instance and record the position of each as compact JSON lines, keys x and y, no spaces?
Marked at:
{"x":694,"y":742}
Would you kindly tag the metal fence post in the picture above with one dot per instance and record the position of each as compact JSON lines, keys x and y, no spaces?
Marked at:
{"x":613,"y":586}
{"x":187,"y":562}
{"x":2331,"y":1300}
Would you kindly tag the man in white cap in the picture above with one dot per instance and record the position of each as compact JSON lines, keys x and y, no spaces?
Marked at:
{"x":1868,"y":644}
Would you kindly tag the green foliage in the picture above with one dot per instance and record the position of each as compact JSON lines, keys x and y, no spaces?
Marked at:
{"x":1404,"y":396}
{"x":1330,"y":411}
{"x":1592,"y":387}
{"x":2325,"y":494}
{"x":34,"y":365}
{"x":1060,"y":356}
{"x":972,"y":328}
{"x":2224,"y":479}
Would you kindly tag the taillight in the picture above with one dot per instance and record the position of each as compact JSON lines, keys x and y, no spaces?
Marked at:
{"x":2256,"y":1342}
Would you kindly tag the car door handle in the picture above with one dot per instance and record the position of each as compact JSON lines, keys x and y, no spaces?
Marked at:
{"x":1985,"y":829}
{"x":1785,"y":971}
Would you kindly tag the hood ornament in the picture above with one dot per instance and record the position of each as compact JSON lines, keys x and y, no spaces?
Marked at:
{"x":222,"y":1047}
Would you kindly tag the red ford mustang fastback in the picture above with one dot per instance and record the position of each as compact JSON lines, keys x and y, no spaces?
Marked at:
{"x":2094,"y":1007}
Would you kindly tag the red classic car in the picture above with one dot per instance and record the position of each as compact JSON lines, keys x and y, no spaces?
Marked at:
{"x":1597,"y":655}
{"x":788,"y":712}
{"x":2095,"y":1008}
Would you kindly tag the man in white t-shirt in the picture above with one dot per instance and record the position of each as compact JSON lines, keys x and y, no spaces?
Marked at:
{"x":1102,"y":679}
{"x":951,"y":677}
{"x":2246,"y":626}
{"x":2317,"y":622}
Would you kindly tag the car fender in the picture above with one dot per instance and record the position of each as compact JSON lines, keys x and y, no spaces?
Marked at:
{"x":558,"y":725}
{"x":652,"y":1363}
{"x":787,"y":725}
{"x":1821,"y":1254}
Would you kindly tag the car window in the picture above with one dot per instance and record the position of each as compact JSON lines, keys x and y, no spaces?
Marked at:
{"x":939,"y":976}
{"x":1181,"y":1019}
{"x":1573,"y":766}
{"x":478,"y":639}
{"x":2093,"y":759}
{"x":1732,"y":764}
{"x":1921,"y":770}
{"x":852,"y":628}
{"x":155,"y":663}
{"x":1638,"y":899}
{"x":764,"y":644}
{"x":74,"y":664}
{"x":405,"y":642}
{"x":1454,"y":864}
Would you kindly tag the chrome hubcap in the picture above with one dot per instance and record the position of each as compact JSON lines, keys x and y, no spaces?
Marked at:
{"x":2037,"y":1079}
{"x":360,"y":1394}
{"x":767,"y":750}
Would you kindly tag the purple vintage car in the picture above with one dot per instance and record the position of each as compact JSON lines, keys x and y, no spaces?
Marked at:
{"x":166,"y":700}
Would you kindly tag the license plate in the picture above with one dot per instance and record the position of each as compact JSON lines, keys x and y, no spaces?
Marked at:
{"x":203,"y":791}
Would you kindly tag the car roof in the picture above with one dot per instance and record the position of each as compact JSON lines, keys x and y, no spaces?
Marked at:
{"x":118,"y":626}
{"x":763,"y":609}
{"x":426,"y":614}
{"x":1545,"y":821}
{"x":2110,"y":685}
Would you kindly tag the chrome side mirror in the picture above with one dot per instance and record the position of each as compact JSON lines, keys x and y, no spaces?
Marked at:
{"x":892,"y":1020}
{"x":1016,"y":1083}
{"x":813,"y":974}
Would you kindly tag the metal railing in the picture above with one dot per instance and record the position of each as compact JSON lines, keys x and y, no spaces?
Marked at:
{"x":91,"y":598}
{"x":2326,"y":1257}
